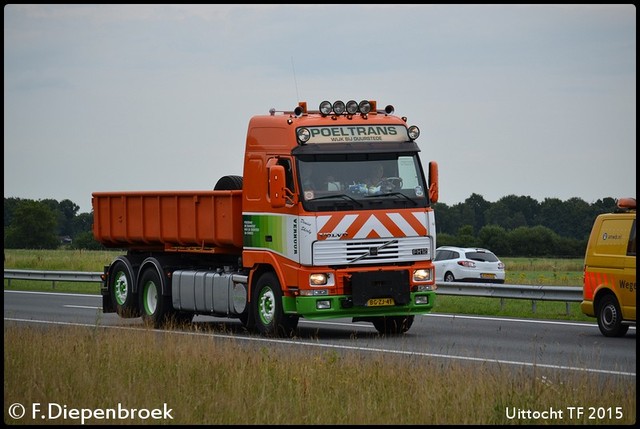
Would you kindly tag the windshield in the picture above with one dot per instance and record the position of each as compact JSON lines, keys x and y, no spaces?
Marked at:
{"x":356,"y":181}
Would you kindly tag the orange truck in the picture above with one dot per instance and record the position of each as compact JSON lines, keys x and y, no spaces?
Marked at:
{"x":301,"y":234}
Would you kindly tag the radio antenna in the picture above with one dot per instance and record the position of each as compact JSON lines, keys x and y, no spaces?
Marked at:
{"x":295,"y":81}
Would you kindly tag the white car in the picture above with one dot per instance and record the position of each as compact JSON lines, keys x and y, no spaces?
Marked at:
{"x":468,"y":264}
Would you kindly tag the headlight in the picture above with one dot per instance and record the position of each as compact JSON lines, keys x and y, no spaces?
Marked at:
{"x":318,"y":279}
{"x":322,"y":279}
{"x":422,"y":275}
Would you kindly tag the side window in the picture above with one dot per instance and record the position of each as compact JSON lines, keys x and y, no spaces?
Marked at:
{"x":444,"y":255}
{"x":286,"y":163}
{"x":631,"y":247}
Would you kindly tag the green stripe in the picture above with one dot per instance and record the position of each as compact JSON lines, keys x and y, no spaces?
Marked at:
{"x":267,"y":232}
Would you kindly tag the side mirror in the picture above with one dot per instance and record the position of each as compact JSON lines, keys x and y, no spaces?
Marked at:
{"x":433,"y":181}
{"x":277,"y":185}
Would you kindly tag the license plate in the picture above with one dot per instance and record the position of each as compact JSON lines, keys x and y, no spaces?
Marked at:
{"x":379,"y":302}
{"x":488,"y":276}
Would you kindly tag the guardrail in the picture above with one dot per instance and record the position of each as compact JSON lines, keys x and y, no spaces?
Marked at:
{"x":52,"y":276}
{"x":566,"y":294}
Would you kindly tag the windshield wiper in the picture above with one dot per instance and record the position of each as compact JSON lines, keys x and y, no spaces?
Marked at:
{"x":345,"y":196}
{"x":393,"y":194}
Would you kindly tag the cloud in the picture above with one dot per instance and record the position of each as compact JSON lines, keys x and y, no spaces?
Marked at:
{"x":532,"y":100}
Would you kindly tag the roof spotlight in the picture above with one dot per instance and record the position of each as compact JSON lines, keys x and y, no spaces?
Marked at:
{"x":352,"y":107}
{"x":414,"y":132}
{"x":325,"y":108}
{"x":364,"y":106}
{"x":303,"y":135}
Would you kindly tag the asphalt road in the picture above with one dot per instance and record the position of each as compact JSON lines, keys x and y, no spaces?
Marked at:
{"x":552,"y":346}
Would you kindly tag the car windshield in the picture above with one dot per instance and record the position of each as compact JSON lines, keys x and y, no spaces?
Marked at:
{"x":343,"y":181}
{"x":481,"y":256}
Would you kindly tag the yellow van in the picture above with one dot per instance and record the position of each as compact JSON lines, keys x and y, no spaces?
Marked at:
{"x":609,"y":291}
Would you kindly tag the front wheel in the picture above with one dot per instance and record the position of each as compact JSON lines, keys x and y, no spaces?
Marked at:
{"x":610,"y":318}
{"x":268,"y":314}
{"x":393,"y":325}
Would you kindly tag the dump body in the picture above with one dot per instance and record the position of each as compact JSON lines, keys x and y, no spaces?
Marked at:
{"x":199,"y":220}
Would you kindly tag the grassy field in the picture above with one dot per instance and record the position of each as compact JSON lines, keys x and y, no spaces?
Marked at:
{"x":58,"y":260}
{"x":199,"y":379}
{"x":205,"y":380}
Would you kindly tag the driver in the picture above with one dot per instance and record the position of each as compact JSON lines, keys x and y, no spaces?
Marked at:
{"x":376,"y":176}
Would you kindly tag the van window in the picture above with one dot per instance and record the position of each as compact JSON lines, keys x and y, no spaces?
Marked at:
{"x":631,"y":249}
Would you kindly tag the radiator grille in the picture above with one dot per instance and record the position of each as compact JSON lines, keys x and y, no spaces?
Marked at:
{"x":372,"y":251}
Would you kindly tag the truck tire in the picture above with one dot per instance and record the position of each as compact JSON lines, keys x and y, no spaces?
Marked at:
{"x":268,"y":314}
{"x":229,"y":183}
{"x":610,"y":317}
{"x":121,"y":290}
{"x":393,"y":325}
{"x":154,"y":307}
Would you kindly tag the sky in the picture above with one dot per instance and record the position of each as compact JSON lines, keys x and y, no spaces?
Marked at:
{"x":525,"y":100}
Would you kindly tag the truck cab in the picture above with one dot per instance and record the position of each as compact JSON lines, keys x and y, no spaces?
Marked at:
{"x":341,"y":244}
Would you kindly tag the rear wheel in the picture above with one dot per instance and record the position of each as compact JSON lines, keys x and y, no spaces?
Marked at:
{"x":393,"y":325}
{"x":268,"y":314}
{"x":156,"y":309}
{"x":121,"y":290}
{"x":610,"y":318}
{"x":448,"y":277}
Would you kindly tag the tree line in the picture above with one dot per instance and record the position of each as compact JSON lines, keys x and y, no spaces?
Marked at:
{"x":520,"y":226}
{"x":513,"y":226}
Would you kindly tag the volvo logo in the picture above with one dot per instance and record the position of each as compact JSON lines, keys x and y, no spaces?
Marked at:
{"x":332,"y":234}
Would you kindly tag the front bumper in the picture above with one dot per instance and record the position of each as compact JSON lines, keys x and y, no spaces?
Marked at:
{"x":337,"y":306}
